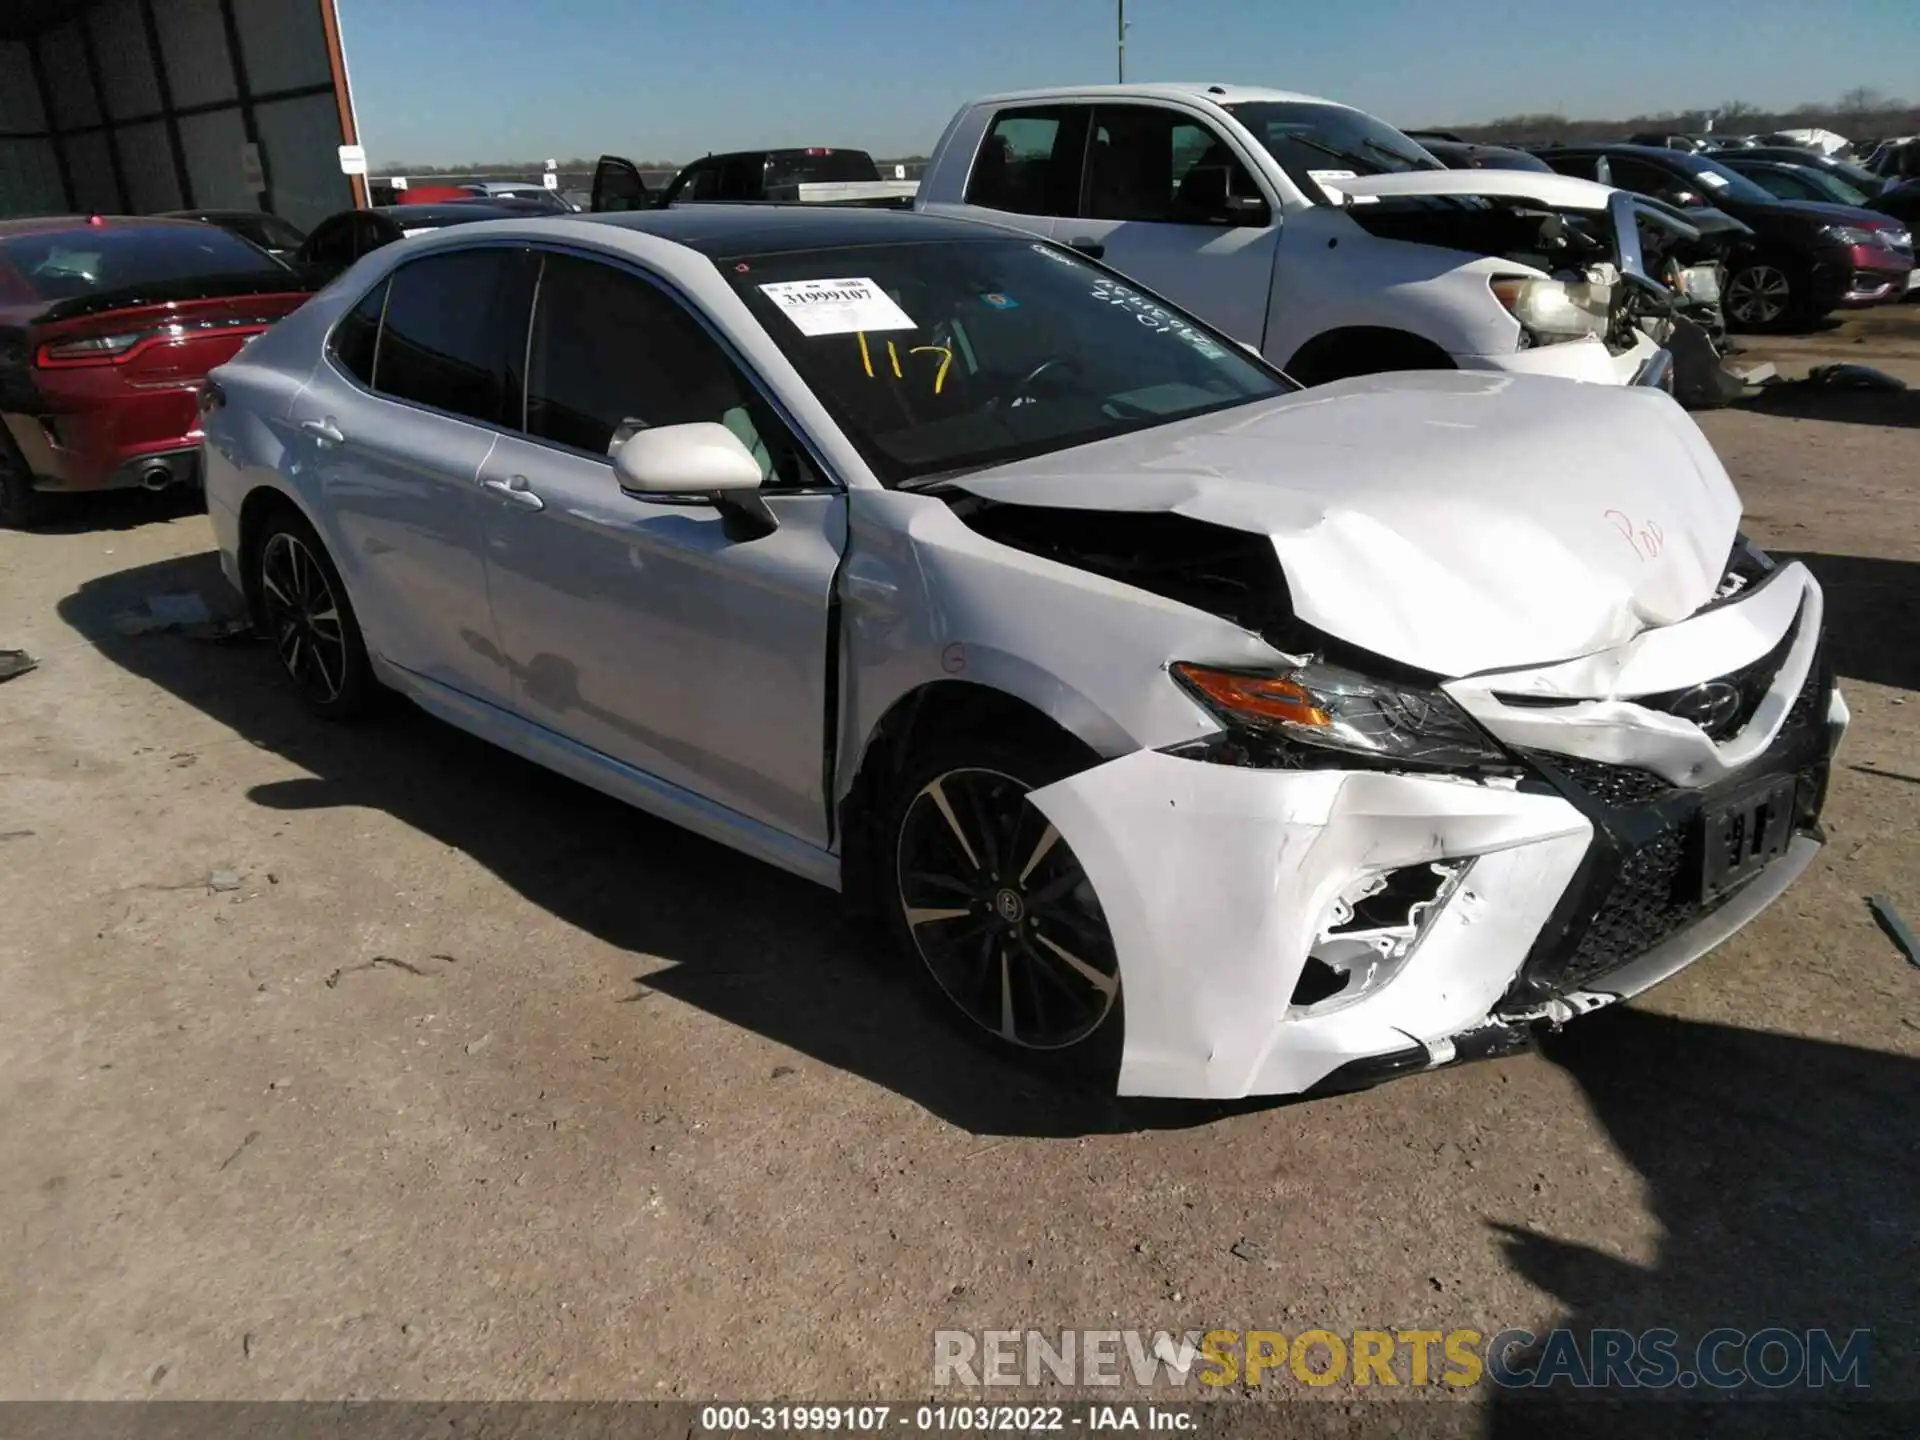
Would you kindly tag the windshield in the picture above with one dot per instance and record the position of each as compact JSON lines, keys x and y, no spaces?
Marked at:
{"x":1329,"y":142}
{"x":68,"y":264}
{"x":942,"y":356}
{"x":1720,"y":182}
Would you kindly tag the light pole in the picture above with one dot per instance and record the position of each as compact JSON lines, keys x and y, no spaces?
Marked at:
{"x":1122,"y":18}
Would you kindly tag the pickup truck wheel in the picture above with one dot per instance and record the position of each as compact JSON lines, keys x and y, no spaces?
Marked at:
{"x":304,"y":610}
{"x":995,"y":908}
{"x":1763,"y":295}
{"x":21,"y":506}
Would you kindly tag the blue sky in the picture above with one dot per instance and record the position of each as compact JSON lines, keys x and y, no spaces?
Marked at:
{"x":447,"y":81}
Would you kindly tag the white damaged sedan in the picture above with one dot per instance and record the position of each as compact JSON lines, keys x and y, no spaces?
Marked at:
{"x":1260,"y":740}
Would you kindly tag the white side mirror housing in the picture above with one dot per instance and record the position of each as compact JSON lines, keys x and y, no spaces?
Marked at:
{"x":701,"y":458}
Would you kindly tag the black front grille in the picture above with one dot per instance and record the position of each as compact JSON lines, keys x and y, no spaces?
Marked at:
{"x":1618,"y":786}
{"x":1650,"y":899}
{"x":1641,"y":881}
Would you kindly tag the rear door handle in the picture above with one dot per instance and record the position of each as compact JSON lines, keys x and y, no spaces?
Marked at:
{"x":1090,"y":248}
{"x":325,"y":431}
{"x":514,"y":491}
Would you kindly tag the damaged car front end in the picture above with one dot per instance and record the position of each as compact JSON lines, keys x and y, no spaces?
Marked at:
{"x":1400,"y":845}
{"x":1564,"y":263}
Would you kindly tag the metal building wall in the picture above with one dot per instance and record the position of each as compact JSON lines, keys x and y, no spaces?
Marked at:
{"x":143,"y":105}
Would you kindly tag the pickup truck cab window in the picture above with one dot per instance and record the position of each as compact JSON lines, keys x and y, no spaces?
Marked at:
{"x":1030,"y":161}
{"x":1147,"y":162}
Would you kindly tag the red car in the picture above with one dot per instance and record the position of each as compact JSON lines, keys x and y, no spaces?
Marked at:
{"x":108,"y":325}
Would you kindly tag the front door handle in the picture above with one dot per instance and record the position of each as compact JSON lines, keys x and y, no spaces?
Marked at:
{"x":514,"y":491}
{"x":325,"y":431}
{"x":1088,"y":247}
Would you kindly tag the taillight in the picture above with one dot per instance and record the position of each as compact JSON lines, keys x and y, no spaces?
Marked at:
{"x":94,"y":350}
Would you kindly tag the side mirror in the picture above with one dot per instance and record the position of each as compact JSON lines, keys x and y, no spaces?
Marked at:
{"x":702,"y":458}
{"x":1244,"y":210}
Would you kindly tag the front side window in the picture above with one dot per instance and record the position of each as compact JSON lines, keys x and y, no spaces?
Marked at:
{"x":1315,"y":142}
{"x":944,"y":355}
{"x":1147,"y":163}
{"x":612,"y":354}
{"x":450,"y":323}
{"x":1029,"y":163}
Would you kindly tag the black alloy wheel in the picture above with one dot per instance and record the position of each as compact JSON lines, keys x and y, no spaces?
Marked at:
{"x":304,"y":611}
{"x":1000,"y":911}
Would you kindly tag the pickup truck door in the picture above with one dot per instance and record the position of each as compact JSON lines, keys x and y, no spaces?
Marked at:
{"x":617,"y":186}
{"x":1169,"y":202}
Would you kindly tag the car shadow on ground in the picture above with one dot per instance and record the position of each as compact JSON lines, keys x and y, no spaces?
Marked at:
{"x":1872,"y":615}
{"x":118,"y":510}
{"x":749,"y":944}
{"x":1784,"y":1174}
{"x":1804,"y":400}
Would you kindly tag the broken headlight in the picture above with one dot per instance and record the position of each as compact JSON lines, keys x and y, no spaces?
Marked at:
{"x":1554,"y":310}
{"x":1338,"y":709}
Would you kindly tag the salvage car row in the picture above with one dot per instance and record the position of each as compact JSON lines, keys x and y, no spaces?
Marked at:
{"x":1364,"y":728}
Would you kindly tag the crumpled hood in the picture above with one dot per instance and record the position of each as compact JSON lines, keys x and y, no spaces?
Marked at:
{"x":1453,"y":522}
{"x":1560,"y":191}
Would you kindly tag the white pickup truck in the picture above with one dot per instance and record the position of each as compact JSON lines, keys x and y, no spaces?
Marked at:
{"x":1311,"y":230}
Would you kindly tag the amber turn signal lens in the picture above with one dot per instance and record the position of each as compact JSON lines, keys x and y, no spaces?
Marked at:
{"x":1266,"y":696}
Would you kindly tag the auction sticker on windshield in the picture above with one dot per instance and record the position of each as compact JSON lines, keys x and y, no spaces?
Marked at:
{"x":837,"y":307}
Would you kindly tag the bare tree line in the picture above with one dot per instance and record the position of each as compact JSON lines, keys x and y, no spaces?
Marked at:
{"x":1858,"y":114}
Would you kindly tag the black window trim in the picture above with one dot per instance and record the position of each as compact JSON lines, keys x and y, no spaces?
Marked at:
{"x":830,"y":483}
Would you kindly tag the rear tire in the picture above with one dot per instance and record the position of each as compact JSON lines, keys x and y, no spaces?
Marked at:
{"x":21,"y":506}
{"x":303,"y":609}
{"x":992,"y":907}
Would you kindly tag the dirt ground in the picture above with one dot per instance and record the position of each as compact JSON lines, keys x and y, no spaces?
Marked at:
{"x":479,"y":1085}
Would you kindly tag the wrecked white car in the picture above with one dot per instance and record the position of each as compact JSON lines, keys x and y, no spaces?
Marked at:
{"x":1262,"y":740}
{"x":1319,"y":234}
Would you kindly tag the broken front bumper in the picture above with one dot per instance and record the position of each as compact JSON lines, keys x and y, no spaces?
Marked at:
{"x":1582,"y":882}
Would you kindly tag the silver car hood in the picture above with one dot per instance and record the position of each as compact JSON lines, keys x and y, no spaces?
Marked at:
{"x":1454,"y":522}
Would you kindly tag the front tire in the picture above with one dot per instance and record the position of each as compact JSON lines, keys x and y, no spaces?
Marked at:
{"x":1764,"y":294}
{"x":995,"y":908}
{"x":304,"y":610}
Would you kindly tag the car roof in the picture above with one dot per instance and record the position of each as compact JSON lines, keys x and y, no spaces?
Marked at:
{"x":1602,"y":147}
{"x":43,"y":224}
{"x":1217,"y":93}
{"x":765,"y":229}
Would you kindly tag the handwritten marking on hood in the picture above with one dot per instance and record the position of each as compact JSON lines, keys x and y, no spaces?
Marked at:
{"x":1647,"y":538}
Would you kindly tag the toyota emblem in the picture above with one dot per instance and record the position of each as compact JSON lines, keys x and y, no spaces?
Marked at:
{"x":1711,"y":706}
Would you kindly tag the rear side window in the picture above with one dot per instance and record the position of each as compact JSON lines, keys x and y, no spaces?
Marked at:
{"x":356,"y":337}
{"x":1029,"y":163}
{"x":450,"y":322}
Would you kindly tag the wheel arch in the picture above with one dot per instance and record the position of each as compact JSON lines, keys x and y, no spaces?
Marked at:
{"x":261,"y":504}
{"x":936,"y":709}
{"x":1330,"y":354}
